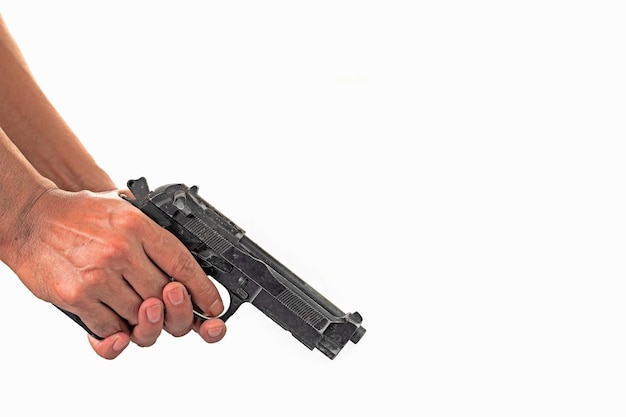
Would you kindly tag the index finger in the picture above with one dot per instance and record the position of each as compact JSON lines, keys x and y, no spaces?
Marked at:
{"x":174,"y":259}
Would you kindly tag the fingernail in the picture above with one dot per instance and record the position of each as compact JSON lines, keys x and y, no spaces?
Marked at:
{"x":176,"y":296}
{"x":215,"y":331}
{"x":154,"y":313}
{"x":216,"y":308}
{"x":119,"y":344}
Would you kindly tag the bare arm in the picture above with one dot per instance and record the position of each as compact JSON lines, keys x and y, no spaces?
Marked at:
{"x":73,"y":242}
{"x":35,"y":127}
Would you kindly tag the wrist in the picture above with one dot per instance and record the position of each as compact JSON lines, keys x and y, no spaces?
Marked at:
{"x":18,"y":223}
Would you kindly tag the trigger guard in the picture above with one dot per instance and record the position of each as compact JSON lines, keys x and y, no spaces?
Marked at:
{"x":235,"y":303}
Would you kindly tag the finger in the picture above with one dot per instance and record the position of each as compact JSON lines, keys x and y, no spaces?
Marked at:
{"x":125,"y":193}
{"x":169,"y":254}
{"x":146,"y":279}
{"x":120,"y":298}
{"x":179,"y":319}
{"x":110,"y":347}
{"x":102,"y":320}
{"x":149,"y":323}
{"x":211,"y":330}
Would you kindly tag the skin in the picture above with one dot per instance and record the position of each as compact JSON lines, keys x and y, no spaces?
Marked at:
{"x":74,"y":242}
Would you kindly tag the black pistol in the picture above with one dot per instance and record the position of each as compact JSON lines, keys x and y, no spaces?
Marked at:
{"x":248,"y":272}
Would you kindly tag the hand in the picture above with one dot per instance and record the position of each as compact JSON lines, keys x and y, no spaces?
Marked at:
{"x":150,"y":322}
{"x":101,"y":258}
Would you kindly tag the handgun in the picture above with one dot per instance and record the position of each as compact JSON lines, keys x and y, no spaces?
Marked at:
{"x":247,"y":272}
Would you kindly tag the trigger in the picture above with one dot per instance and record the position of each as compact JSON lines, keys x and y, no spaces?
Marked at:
{"x":235,"y":303}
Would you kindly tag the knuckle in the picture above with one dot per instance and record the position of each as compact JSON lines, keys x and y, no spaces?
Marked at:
{"x":114,"y":250}
{"x":72,"y":295}
{"x":128,"y":219}
{"x":184,"y":265}
{"x":92,"y":279}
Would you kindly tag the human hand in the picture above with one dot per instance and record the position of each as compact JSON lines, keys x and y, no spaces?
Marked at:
{"x":99,"y":257}
{"x":151,"y":321}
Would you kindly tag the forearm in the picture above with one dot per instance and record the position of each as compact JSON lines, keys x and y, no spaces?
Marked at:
{"x":20,"y":187}
{"x":35,"y":127}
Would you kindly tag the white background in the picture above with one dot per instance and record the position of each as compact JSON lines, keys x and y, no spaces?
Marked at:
{"x":452,"y":170}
